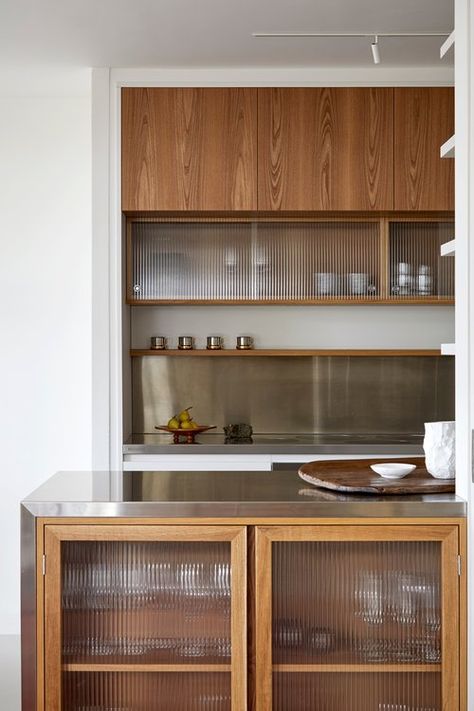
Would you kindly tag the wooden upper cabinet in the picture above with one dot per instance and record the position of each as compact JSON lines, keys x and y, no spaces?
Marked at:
{"x":189,"y":149}
{"x":424,"y":120}
{"x":325,"y":149}
{"x":300,"y":149}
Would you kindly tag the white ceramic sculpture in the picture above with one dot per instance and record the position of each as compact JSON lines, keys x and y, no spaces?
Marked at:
{"x":439,"y":447}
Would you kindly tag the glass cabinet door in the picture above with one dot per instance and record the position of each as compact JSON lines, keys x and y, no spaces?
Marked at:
{"x":145,"y":618}
{"x":357,"y":618}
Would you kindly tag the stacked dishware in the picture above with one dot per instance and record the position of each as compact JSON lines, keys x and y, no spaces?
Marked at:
{"x":406,"y":283}
{"x":327,"y":283}
{"x":358,"y":283}
{"x":353,"y":284}
{"x":404,"y":279}
{"x":424,"y":282}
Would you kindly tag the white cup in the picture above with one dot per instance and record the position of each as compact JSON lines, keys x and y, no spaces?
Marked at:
{"x":439,"y":447}
{"x":326,"y":283}
{"x":358,"y":282}
{"x":424,"y":284}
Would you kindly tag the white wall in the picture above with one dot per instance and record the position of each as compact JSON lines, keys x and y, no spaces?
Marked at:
{"x":45,"y":273}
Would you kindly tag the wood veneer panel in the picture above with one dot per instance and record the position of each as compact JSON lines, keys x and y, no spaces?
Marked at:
{"x":148,"y":668}
{"x":424,"y":119}
{"x":189,"y":149}
{"x":144,"y":533}
{"x":263,"y":635}
{"x":53,"y":626}
{"x":450,"y":583}
{"x":463,"y":597}
{"x":325,"y":149}
{"x":372,"y":668}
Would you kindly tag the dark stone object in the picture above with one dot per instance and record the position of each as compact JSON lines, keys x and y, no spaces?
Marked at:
{"x":238,"y":432}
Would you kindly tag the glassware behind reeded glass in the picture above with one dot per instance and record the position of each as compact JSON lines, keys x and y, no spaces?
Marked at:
{"x":121,"y":691}
{"x":357,"y":691}
{"x":361,"y":602}
{"x":255,"y":261}
{"x":402,"y":707}
{"x":159,"y":601}
{"x":416,"y":269}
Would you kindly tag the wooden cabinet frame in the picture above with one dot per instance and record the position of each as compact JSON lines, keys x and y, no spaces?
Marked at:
{"x":446,"y":535}
{"x":251,"y":544}
{"x":382,"y":219}
{"x":55,"y":534}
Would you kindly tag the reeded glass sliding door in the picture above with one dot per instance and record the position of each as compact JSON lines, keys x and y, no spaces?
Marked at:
{"x":145,"y":618}
{"x":362,"y":618}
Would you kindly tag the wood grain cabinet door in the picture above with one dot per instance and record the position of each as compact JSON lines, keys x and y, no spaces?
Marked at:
{"x":325,"y":149}
{"x":140,"y":613}
{"x":189,"y":149}
{"x":424,"y":120}
{"x":357,"y":617}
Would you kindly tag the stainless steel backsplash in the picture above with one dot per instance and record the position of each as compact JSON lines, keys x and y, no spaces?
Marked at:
{"x":350,"y":394}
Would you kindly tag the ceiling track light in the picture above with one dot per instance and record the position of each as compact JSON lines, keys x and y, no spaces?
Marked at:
{"x":374,"y":46}
{"x":375,"y":50}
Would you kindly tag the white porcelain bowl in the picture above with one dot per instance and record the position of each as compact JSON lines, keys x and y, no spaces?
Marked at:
{"x":393,"y":470}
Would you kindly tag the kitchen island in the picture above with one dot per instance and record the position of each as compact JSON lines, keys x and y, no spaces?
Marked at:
{"x":236,"y":590}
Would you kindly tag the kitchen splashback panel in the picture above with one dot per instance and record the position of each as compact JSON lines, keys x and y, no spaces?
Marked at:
{"x":296,"y":394}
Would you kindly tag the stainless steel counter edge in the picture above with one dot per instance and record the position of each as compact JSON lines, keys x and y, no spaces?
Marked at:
{"x":346,"y":449}
{"x":424,"y":507}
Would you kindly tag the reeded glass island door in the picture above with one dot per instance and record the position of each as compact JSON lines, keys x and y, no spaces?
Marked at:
{"x":145,"y":618}
{"x":357,"y":618}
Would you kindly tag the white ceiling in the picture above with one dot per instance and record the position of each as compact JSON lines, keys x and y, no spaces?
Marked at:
{"x":217,"y":33}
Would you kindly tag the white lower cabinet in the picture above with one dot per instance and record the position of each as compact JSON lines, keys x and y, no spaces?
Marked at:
{"x":232,"y":462}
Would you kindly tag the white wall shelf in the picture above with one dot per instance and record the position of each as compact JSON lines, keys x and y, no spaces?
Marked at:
{"x":448,"y":248}
{"x":447,"y":149}
{"x":448,"y":349}
{"x":446,"y":46}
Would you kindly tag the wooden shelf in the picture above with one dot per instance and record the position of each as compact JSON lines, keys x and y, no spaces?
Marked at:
{"x":446,"y":46}
{"x":448,"y":248}
{"x":356,"y":668}
{"x":157,"y":668}
{"x":375,"y":301}
{"x":138,"y":353}
{"x":447,"y":150}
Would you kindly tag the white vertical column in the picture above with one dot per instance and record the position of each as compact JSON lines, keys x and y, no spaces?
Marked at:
{"x":464,"y":310}
{"x":116,"y":277}
{"x":100,"y":269}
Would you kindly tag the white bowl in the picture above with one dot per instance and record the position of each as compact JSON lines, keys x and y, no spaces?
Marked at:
{"x":393,"y":470}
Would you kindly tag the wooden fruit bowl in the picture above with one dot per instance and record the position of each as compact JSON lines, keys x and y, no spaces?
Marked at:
{"x":189,"y":434}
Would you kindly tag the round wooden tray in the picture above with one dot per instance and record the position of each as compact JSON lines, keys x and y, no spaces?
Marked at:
{"x":189,"y":434}
{"x":356,"y":476}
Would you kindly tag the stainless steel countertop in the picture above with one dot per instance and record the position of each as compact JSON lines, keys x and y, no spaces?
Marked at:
{"x":347,"y":444}
{"x":221,"y":494}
